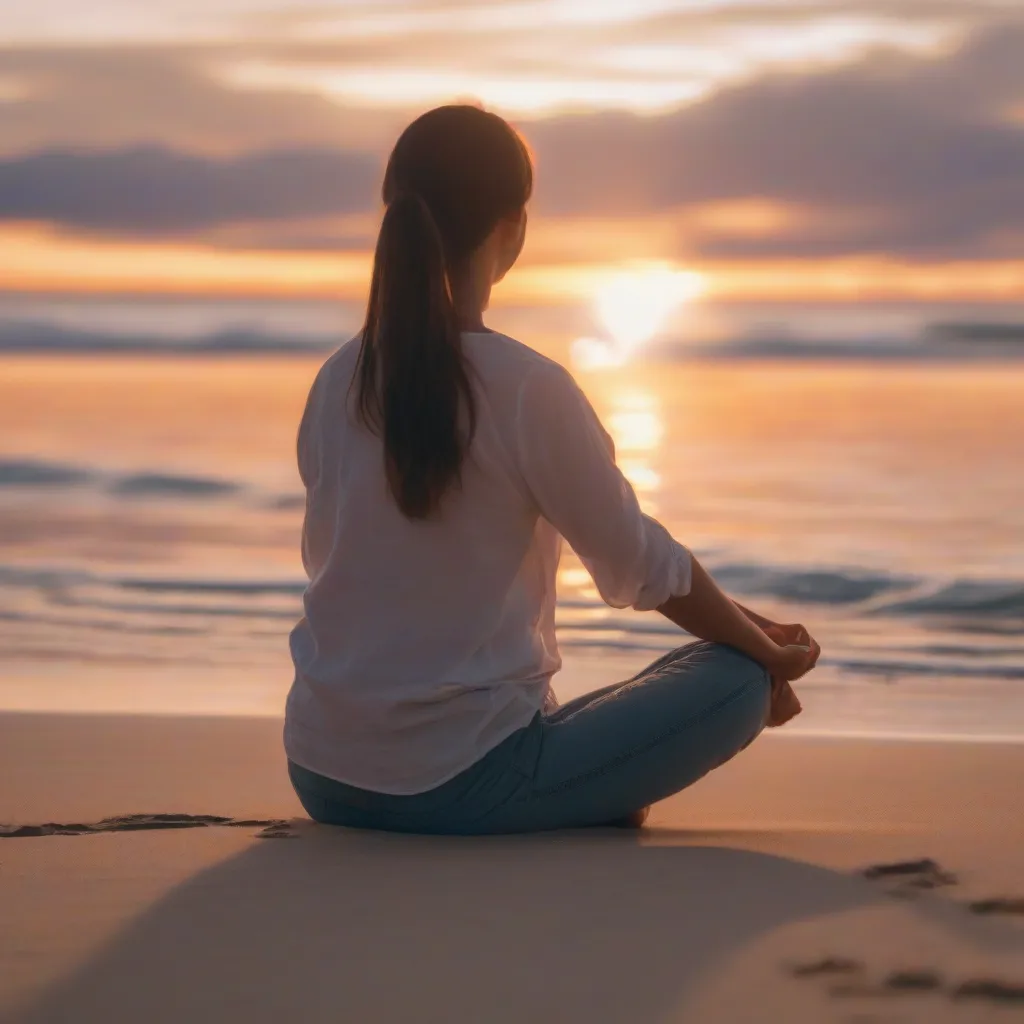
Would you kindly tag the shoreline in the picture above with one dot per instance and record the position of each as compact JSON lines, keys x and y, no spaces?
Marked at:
{"x":794,"y":731}
{"x":70,"y":766}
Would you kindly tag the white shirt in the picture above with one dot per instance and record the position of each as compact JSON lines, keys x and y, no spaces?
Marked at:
{"x":426,"y":643}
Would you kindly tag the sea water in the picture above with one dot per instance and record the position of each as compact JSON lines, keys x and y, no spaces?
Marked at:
{"x":150,"y":510}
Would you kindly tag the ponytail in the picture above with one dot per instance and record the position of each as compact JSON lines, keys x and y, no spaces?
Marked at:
{"x":413,"y":384}
{"x":454,"y":173}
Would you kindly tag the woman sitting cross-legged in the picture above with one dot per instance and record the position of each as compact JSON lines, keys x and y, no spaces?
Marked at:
{"x":443,"y":465}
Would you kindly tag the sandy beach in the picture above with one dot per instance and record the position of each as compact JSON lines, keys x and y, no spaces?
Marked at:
{"x":747,"y":898}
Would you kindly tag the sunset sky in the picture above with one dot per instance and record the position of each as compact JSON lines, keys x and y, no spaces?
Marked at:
{"x":785,"y":149}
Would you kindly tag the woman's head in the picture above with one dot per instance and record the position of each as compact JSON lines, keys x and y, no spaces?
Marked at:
{"x":455,"y":191}
{"x":474,"y":175}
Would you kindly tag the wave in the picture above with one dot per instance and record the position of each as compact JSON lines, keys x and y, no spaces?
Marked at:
{"x":39,"y":473}
{"x":1003,"y":599}
{"x":897,"y":627}
{"x":234,"y":587}
{"x":893,"y":669}
{"x":162,"y":484}
{"x":784,"y":348}
{"x":814,"y":586}
{"x":879,"y":594}
{"x":864,"y":593}
{"x":875,"y":668}
{"x":57,"y":578}
{"x":934,"y":344}
{"x":38,"y":337}
{"x":215,"y":611}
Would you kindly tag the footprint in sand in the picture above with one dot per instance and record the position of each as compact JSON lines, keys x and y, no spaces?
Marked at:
{"x":828,"y":966}
{"x":908,"y":982}
{"x":915,"y":876}
{"x":916,"y":981}
{"x":1012,"y":905}
{"x":992,"y":989}
{"x":271,"y":827}
{"x":911,"y":876}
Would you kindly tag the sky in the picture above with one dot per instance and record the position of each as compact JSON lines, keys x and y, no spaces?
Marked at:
{"x":781,"y":149}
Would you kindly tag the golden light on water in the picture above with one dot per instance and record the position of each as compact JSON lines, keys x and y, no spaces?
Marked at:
{"x":632,"y":306}
{"x":635,"y":423}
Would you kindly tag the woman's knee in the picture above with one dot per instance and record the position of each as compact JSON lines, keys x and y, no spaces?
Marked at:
{"x":722,"y":667}
{"x":728,"y":726}
{"x":726,"y":658}
{"x":752,"y":710}
{"x":738,"y":694}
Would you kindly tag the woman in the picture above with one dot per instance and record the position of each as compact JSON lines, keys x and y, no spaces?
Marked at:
{"x":443,"y":462}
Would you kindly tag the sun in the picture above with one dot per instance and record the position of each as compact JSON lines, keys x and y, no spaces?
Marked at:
{"x":632,"y":306}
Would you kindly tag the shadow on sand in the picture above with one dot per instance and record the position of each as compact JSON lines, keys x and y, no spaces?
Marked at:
{"x":340,"y":926}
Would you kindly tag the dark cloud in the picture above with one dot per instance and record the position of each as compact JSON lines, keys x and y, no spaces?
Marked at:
{"x":109,"y":97}
{"x":899,"y":154}
{"x":896,"y":154}
{"x":152,"y":190}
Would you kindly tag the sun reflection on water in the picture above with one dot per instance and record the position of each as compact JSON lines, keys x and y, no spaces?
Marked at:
{"x":635,"y":423}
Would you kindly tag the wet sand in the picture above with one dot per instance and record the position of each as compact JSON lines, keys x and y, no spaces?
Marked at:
{"x":809,"y":880}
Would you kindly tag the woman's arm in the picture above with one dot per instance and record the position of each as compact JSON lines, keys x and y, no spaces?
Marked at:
{"x":567,"y":461}
{"x":710,"y":614}
{"x":759,"y":620}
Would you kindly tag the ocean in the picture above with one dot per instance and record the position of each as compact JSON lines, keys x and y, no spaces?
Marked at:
{"x":859,"y":470}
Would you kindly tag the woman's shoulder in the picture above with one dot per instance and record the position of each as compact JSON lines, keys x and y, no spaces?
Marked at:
{"x":338,"y":367}
{"x":344,"y":357}
{"x":508,"y":358}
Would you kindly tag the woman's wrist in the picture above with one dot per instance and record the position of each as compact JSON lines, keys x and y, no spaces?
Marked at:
{"x":759,"y":620}
{"x":761,"y":647}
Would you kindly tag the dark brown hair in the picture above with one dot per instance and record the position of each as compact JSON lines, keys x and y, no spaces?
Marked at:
{"x":454,"y":173}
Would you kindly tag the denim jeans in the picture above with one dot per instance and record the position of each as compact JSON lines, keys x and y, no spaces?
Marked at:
{"x":593,"y":761}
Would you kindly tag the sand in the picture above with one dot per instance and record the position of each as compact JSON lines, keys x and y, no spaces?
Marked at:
{"x":745,"y":899}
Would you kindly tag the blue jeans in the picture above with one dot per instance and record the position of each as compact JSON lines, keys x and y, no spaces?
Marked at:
{"x":594,"y":761}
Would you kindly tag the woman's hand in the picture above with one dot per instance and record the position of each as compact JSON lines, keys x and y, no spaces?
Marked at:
{"x":787,"y":652}
{"x":797,"y":654}
{"x":783,"y":635}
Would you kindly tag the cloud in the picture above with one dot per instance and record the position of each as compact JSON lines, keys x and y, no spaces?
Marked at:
{"x":895,"y":153}
{"x":355,"y":71}
{"x":111,"y":97}
{"x":892,"y":154}
{"x":153,"y":190}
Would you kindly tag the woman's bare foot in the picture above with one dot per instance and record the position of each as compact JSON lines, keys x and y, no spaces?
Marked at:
{"x":634,"y":820}
{"x":785,"y":704}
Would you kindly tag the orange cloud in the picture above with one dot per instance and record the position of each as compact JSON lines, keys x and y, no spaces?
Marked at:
{"x":35,"y":259}
{"x":747,"y":218}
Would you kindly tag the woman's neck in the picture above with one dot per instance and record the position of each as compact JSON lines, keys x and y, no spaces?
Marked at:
{"x":471,"y":294}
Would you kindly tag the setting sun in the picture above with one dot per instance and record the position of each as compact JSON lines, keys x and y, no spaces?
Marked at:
{"x":632,"y":306}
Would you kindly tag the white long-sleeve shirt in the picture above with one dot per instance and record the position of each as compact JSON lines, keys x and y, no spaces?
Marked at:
{"x":424,"y":644}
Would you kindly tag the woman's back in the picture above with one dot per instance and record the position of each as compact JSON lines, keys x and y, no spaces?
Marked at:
{"x":424,"y":642}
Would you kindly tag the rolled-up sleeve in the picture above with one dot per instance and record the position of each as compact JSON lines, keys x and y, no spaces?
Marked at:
{"x":567,"y":460}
